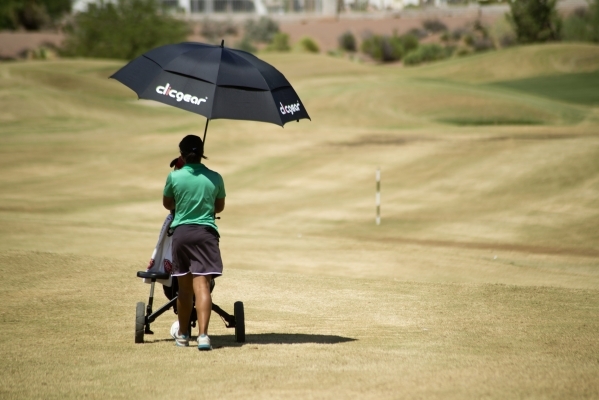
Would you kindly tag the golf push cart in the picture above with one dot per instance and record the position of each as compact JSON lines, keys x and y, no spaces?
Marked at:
{"x":144,"y":316}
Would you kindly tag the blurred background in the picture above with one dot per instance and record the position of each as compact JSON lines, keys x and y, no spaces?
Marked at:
{"x":407,"y":31}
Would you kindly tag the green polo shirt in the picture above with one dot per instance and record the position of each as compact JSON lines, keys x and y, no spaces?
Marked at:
{"x":195,"y":189}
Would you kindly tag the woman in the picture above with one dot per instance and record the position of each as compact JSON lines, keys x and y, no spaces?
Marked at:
{"x":196,"y":193}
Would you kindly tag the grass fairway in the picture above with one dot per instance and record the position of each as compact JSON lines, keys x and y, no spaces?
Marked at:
{"x":582,"y":88}
{"x":481,"y":281}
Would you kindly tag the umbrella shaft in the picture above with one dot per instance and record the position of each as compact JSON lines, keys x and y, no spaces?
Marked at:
{"x":205,"y":130}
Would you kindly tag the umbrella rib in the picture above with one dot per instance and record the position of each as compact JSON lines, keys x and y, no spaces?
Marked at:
{"x":148,"y":58}
{"x":188,"y":76}
{"x":246,"y":88}
{"x":249,"y":62}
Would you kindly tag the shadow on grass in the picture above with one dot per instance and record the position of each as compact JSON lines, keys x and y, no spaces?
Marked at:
{"x":221,"y":341}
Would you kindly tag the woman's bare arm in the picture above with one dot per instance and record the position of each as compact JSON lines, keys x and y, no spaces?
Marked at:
{"x":168,"y":203}
{"x":219,"y":205}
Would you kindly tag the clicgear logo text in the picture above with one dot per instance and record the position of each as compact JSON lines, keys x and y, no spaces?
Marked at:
{"x":168,"y":90}
{"x":290,"y":109}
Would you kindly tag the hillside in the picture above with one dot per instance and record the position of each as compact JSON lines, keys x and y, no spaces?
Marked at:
{"x":481,"y":281}
{"x":474,"y":168}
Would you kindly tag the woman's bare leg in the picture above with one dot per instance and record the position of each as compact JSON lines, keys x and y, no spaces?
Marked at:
{"x":201,"y":288}
{"x":185,"y":302}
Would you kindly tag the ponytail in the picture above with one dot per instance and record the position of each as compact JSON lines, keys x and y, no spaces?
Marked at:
{"x":194,"y":156}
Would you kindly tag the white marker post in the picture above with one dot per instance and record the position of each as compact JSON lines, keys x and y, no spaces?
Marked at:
{"x":378,"y":196}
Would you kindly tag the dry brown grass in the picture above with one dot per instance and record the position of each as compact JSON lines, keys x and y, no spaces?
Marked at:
{"x":67,"y":333}
{"x":482,"y":280}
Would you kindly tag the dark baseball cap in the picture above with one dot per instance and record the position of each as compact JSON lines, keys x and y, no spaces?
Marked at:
{"x":192,"y":144}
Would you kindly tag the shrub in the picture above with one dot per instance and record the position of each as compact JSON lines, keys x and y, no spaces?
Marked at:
{"x":387,"y":49}
{"x":468,"y":39}
{"x":458,"y":33}
{"x":576,"y":26}
{"x":583,"y":24}
{"x":418,"y":33}
{"x":280,"y":42}
{"x":425,"y":53}
{"x":246,"y":45}
{"x":383,"y":48}
{"x":409,"y":42}
{"x":123,"y":30}
{"x":434,"y":26}
{"x":308,"y":44}
{"x":393,"y":49}
{"x":261,"y":31}
{"x":412,"y":58}
{"x":461,"y":51}
{"x":347,"y":42}
{"x":368,"y":44}
{"x":535,"y":20}
{"x":594,"y":20}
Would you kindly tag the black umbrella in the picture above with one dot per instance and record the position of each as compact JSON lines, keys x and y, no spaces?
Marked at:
{"x":213,"y":81}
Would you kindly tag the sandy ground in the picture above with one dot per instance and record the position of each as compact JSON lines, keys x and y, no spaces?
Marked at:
{"x":16,"y":44}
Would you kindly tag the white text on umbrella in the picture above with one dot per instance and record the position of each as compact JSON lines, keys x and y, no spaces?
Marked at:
{"x":168,"y":90}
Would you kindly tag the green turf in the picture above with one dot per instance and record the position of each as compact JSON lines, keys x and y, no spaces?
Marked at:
{"x":580,"y":88}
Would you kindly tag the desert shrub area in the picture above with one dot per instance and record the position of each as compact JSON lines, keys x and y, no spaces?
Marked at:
{"x":527,"y":22}
{"x":426,"y":53}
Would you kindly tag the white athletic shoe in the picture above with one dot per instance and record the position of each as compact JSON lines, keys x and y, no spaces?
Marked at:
{"x":180,"y":340}
{"x":174,"y":328}
{"x":204,"y":343}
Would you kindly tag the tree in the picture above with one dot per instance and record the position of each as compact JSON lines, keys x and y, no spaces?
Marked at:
{"x":594,"y":20}
{"x":31,"y":14}
{"x":125,"y":30}
{"x":8,"y":15}
{"x":582,"y":25}
{"x":56,"y":8}
{"x":535,"y":20}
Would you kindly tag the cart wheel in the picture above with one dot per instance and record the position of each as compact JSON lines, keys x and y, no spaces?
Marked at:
{"x":239,"y":322}
{"x":140,"y":321}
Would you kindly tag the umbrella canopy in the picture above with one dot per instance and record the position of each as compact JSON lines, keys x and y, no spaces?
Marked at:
{"x":213,"y":81}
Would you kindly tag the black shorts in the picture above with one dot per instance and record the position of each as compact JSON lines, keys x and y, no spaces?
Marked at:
{"x":195,"y":250}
